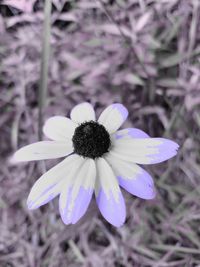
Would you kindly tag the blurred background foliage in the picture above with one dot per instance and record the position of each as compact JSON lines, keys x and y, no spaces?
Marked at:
{"x":142,"y":53}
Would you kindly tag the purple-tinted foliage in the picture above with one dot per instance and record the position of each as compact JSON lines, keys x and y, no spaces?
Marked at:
{"x":151,"y":65}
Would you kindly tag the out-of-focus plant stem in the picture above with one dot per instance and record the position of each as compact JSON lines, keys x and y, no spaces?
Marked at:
{"x":42,"y":96}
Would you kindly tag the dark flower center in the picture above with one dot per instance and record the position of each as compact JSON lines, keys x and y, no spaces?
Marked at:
{"x":91,"y":140}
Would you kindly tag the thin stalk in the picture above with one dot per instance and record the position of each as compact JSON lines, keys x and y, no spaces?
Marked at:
{"x":42,"y":96}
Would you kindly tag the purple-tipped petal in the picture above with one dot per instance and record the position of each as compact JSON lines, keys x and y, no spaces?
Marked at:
{"x":132,"y":178}
{"x":130,"y":133}
{"x":72,"y":211}
{"x":108,"y":194}
{"x":45,"y":198}
{"x":113,"y":117}
{"x":141,"y":186}
{"x":113,"y":211}
{"x":144,"y":150}
{"x":49,"y":185}
{"x":75,"y":198}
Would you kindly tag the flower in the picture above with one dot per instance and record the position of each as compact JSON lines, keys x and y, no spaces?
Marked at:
{"x":99,"y":159}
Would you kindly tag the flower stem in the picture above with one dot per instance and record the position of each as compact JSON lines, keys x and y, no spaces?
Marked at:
{"x":42,"y":96}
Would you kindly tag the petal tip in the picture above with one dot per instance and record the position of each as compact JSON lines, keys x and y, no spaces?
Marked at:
{"x":114,"y":212}
{"x":66,"y":222}
{"x":153,"y":196}
{"x":85,"y":103}
{"x":119,"y":224}
{"x":171,"y":148}
{"x":13,"y":160}
{"x":177,"y":146}
{"x":82,"y":112}
{"x":18,"y":156}
{"x":65,"y":219}
{"x":166,"y":150}
{"x":121,"y":108}
{"x":30,"y":205}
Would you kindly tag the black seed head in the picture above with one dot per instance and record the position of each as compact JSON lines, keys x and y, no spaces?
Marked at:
{"x":91,"y":140}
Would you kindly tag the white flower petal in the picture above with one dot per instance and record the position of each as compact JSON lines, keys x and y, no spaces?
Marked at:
{"x":144,"y":150}
{"x":108,"y":194}
{"x":132,"y":178}
{"x":75,"y":197}
{"x":43,"y":150}
{"x":49,"y":185}
{"x":83,"y":112}
{"x":59,"y":128}
{"x":113,"y":117}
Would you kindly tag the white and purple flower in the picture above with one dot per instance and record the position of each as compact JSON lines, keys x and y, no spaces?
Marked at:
{"x":99,"y":159}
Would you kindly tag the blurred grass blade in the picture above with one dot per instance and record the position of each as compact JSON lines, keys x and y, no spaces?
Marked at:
{"x":133,"y":79}
{"x":186,"y":250}
{"x":177,"y":58}
{"x":44,"y":64}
